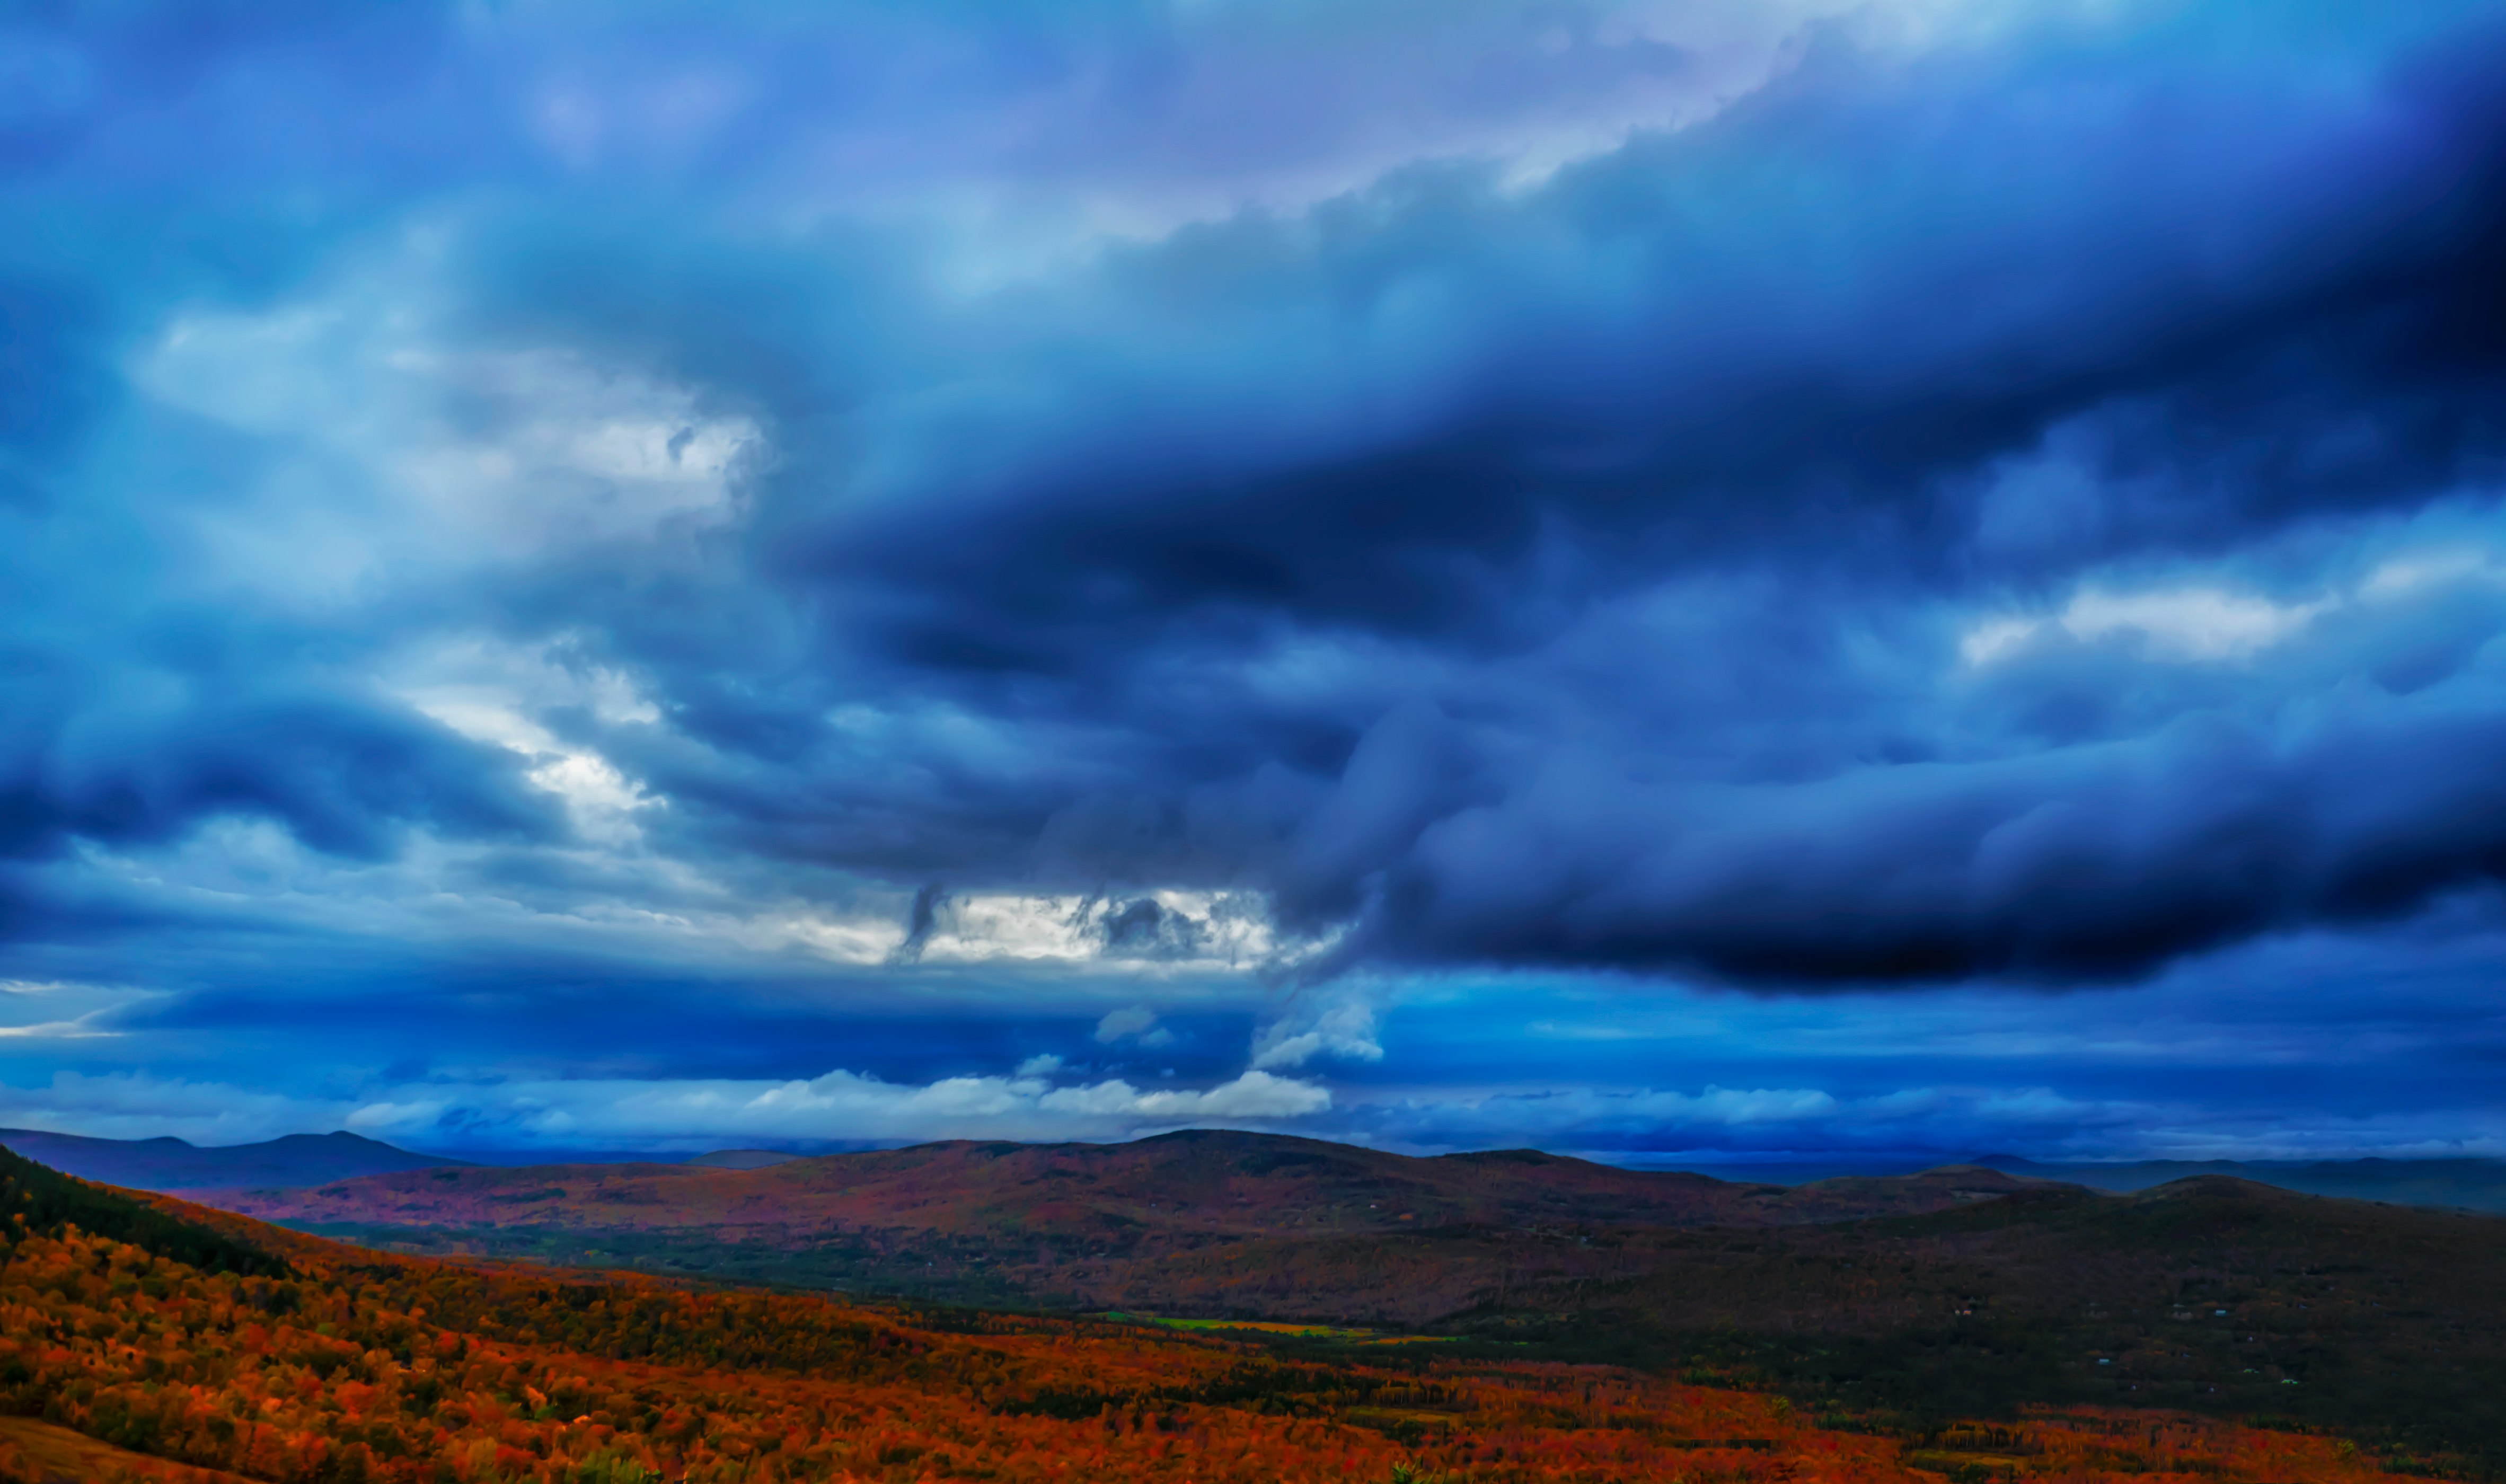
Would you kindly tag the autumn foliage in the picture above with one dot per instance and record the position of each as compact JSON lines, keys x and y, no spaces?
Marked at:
{"x":358,"y":1367}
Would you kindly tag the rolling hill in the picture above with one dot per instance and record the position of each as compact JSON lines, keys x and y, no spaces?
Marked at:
{"x":2210,"y":1293}
{"x":1961,"y":1289}
{"x":1068,"y":1224}
{"x":296,"y":1361}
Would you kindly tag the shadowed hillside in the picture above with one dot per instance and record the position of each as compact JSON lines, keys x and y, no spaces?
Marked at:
{"x":2210,"y":1293}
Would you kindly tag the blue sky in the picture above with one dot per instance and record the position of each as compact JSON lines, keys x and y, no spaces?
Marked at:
{"x":1694,"y":580}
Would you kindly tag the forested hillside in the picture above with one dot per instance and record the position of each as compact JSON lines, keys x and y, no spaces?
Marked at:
{"x":1071,"y":1225}
{"x":1958,"y":1290}
{"x":322,"y":1365}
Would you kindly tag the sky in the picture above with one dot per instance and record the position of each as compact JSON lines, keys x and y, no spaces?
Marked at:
{"x":1685,"y":580}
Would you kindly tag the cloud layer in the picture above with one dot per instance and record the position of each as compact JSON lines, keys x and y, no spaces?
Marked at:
{"x":1202,"y":511}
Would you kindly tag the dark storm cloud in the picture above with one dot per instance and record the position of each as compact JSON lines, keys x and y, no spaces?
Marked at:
{"x":2102,"y":861}
{"x":341,"y":780}
{"x":1793,"y":334}
{"x":920,"y":920}
{"x":1438,"y":421}
{"x":1547,"y":568}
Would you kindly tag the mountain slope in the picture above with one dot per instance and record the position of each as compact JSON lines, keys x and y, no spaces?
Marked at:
{"x":2207,"y":1292}
{"x":991,"y":1223}
{"x":1953,"y":1293}
{"x":37,"y":1201}
{"x":171,"y":1164}
{"x":362,"y":1366}
{"x":2211,"y":1295}
{"x":33,"y":1452}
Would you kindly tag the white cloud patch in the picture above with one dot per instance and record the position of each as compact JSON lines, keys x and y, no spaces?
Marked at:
{"x":1176,"y":927}
{"x":1994,"y":638}
{"x":499,"y":692}
{"x":1616,"y":1122}
{"x":838,"y":1106}
{"x":47,"y":1011}
{"x":142,"y":1106}
{"x":391,"y":444}
{"x":600,"y":797}
{"x":585,"y":451}
{"x":668,"y":1115}
{"x":1529,"y":90}
{"x":2189,"y":623}
{"x":1342,"y":1026}
{"x":2209,"y":622}
{"x":81,"y":1028}
{"x":1651,"y":1126}
{"x":2423,"y":571}
{"x":1130,"y":1021}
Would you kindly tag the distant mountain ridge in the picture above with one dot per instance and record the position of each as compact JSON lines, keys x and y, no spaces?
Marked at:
{"x":173,"y":1164}
{"x":1194,"y":1184}
{"x":981,"y":1223}
{"x":1962,"y":1287}
{"x":2466,"y":1185}
{"x":1898,"y":1349}
{"x":741,"y":1159}
{"x":297,"y":1161}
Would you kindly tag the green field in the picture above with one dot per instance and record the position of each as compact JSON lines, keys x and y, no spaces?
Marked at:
{"x":1271,"y":1327}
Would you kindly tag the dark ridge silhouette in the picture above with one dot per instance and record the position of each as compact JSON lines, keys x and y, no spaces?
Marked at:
{"x":173,"y":1164}
{"x":2462,"y":1185}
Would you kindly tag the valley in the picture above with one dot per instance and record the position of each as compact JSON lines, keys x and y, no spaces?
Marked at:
{"x":1956,"y":1291}
{"x":1075,"y":1224}
{"x":150,"y":1339}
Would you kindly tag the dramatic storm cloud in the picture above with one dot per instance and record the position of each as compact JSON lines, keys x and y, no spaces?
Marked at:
{"x":654,"y":577}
